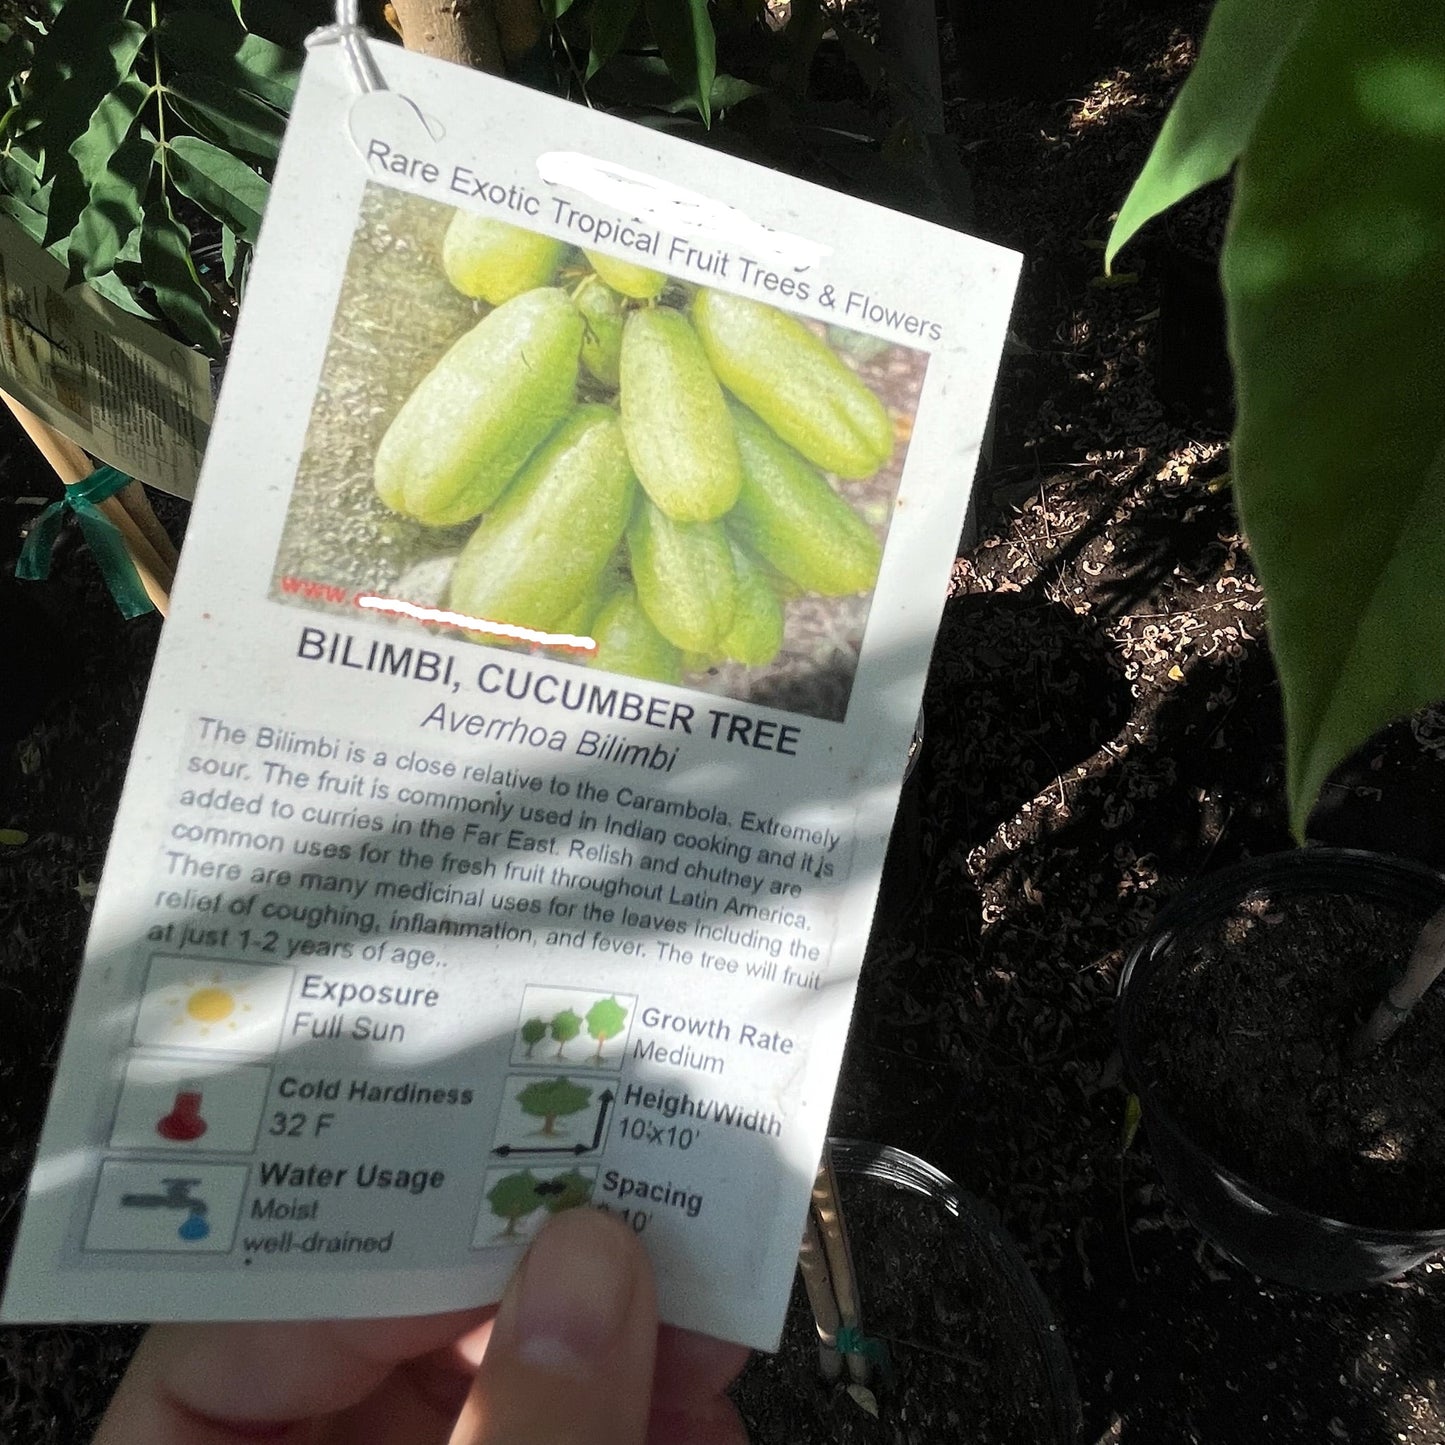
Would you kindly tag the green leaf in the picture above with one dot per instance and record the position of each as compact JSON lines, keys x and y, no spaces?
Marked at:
{"x":219,"y":183}
{"x":1215,"y":112}
{"x":230,"y":117}
{"x":31,"y":221}
{"x":1334,"y":273}
{"x":114,"y":210}
{"x":274,"y":71}
{"x":284,"y":21}
{"x":610,"y":22}
{"x":215,"y":45}
{"x":165,"y":253}
{"x":113,"y":158}
{"x":684,"y":34}
{"x":728,"y":91}
{"x":79,"y":63}
{"x":1133,"y":1115}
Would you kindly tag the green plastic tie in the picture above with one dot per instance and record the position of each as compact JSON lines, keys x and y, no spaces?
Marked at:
{"x":852,"y":1341}
{"x":101,"y":534}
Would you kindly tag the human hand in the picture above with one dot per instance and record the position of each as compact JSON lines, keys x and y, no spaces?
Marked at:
{"x":572,"y":1354}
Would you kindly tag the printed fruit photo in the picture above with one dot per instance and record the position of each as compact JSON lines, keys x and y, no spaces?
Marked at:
{"x":622,"y":468}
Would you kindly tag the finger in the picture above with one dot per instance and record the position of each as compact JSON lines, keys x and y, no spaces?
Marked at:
{"x":571,"y":1353}
{"x":694,"y":1367}
{"x":688,"y":1404}
{"x":192,"y":1384}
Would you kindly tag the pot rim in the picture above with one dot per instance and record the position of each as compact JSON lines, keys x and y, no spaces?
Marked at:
{"x":910,"y":1173}
{"x":1312,"y":869}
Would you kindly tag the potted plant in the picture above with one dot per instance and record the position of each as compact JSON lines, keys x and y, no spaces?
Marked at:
{"x":1334,"y":279}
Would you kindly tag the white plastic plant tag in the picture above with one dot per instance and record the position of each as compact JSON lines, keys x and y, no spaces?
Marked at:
{"x":507,"y":816}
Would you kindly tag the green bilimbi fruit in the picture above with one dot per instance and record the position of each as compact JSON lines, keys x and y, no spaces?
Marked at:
{"x":627,"y":277}
{"x":627,"y":642}
{"x":684,"y":576}
{"x":580,"y":619}
{"x":792,"y":379}
{"x":757,"y":630}
{"x":495,"y":260}
{"x":466,"y":430}
{"x":537,"y":554}
{"x":603,"y":314}
{"x":675,"y":419}
{"x":789,"y":515}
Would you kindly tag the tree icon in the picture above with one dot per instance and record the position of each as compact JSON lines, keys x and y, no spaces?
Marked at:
{"x":604,"y":1021}
{"x":514,"y":1197}
{"x":548,"y":1099}
{"x":565,"y":1027}
{"x":533,"y":1032}
{"x":565,"y":1191}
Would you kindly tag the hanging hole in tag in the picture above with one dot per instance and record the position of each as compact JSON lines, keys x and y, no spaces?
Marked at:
{"x":392,"y":133}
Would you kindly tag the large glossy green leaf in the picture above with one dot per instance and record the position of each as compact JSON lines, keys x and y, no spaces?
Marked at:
{"x":225,"y":115}
{"x":1334,"y":272}
{"x":1214,"y":114}
{"x":684,"y":35}
{"x":165,"y":255}
{"x":610,"y":21}
{"x":219,"y":184}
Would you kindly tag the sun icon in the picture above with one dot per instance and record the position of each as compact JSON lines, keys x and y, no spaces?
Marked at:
{"x":208,"y":1003}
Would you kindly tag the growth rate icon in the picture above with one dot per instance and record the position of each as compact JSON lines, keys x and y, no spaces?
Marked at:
{"x":572,"y":1028}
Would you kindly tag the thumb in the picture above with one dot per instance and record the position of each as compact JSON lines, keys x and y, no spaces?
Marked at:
{"x":571,"y":1353}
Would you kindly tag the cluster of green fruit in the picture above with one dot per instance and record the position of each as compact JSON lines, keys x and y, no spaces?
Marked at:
{"x":668,"y":520}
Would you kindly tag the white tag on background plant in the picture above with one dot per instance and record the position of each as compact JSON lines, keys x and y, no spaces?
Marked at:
{"x":109,"y":380}
{"x":461,"y":874}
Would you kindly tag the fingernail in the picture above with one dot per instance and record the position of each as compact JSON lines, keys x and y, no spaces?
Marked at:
{"x":573,"y":1294}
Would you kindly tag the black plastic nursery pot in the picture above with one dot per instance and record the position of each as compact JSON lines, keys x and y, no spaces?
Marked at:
{"x":1270,"y":1236}
{"x":972,"y":1351}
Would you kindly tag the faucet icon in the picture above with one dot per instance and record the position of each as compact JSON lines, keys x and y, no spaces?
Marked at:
{"x":177,"y":1196}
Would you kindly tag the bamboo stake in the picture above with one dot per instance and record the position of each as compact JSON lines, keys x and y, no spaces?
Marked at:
{"x":827,"y":1209}
{"x":813,"y":1266}
{"x":133,"y":498}
{"x":1424,"y":967}
{"x":72,"y":465}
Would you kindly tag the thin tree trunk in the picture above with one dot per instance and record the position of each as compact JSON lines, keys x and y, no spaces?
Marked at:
{"x":462,"y":31}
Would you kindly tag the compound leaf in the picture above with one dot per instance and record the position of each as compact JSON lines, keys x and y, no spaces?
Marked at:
{"x":75,"y":68}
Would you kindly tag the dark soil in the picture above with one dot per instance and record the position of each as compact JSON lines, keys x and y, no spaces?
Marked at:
{"x":961,"y":1342}
{"x":1103,"y":726}
{"x":1284,"y":983}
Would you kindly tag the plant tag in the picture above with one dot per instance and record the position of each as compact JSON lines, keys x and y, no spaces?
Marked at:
{"x":505,"y":824}
{"x":110,"y":381}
